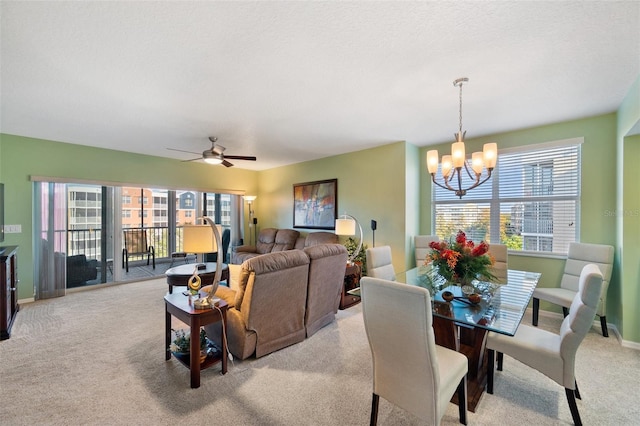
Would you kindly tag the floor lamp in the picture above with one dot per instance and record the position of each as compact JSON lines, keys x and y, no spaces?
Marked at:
{"x":346,"y":225}
{"x":202,"y":239}
{"x":252,"y":220}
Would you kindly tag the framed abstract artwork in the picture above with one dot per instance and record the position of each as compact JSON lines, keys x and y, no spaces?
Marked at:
{"x":315,"y":204}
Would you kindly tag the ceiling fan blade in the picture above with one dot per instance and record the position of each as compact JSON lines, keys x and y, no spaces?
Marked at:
{"x":182,"y":150}
{"x":240,"y":157}
{"x":226,"y":163}
{"x":193,"y":159}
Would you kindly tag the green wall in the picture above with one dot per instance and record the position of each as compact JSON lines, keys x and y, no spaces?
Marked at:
{"x":628,"y":213}
{"x":371,"y":185}
{"x":22,"y":157}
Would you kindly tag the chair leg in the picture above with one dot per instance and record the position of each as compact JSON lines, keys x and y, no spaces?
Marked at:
{"x":565,"y":311}
{"x":500,"y":358}
{"x":374,"y":409}
{"x":603,"y":324}
{"x":536,"y":308}
{"x":573,"y":406}
{"x":462,"y":400}
{"x":577,"y":392}
{"x":491,"y":361}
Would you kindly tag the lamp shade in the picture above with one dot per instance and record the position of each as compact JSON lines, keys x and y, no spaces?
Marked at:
{"x":199,"y":239}
{"x":249,"y":198}
{"x":345,"y":227}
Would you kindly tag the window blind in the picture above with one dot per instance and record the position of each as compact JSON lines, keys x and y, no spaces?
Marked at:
{"x":531,"y":203}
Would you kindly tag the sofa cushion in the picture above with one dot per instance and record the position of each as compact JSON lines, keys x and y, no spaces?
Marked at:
{"x":315,"y":238}
{"x":266,"y":240}
{"x":326,"y":277}
{"x":285,"y":240}
{"x":273,"y":262}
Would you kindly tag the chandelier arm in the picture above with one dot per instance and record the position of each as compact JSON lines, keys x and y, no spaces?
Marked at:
{"x":448,"y":187}
{"x":478,"y":182}
{"x":466,"y":167}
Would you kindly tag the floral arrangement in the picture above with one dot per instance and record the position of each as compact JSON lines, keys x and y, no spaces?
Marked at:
{"x":182,"y":342}
{"x":461,"y":261}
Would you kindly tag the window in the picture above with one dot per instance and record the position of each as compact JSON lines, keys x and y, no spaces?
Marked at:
{"x":531,"y":203}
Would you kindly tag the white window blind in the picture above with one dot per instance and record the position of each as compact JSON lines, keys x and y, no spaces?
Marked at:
{"x":531,"y":203}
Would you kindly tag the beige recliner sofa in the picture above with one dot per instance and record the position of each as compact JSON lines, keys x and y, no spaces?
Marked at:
{"x":280,"y":298}
{"x":271,"y":240}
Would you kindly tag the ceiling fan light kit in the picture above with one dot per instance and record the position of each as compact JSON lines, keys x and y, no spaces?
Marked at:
{"x":215,"y":155}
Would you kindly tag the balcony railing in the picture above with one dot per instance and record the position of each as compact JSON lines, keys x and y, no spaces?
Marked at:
{"x":88,"y":241}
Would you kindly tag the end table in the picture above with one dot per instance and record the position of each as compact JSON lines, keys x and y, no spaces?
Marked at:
{"x":352,"y":276}
{"x":181,"y":307}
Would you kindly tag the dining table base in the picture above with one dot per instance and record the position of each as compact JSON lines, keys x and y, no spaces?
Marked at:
{"x":471,"y":342}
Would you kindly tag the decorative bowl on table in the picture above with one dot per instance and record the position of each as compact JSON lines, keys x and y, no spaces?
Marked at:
{"x":474,"y":298}
{"x":447,"y":296}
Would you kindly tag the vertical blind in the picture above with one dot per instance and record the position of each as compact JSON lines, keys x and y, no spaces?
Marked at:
{"x":531,"y":203}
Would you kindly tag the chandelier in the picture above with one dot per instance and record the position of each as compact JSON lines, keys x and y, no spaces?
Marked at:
{"x":451,"y":167}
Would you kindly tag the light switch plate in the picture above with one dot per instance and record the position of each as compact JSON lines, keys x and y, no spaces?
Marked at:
{"x":12,"y":229}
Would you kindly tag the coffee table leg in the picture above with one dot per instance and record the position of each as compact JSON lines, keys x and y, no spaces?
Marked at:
{"x":194,"y":363}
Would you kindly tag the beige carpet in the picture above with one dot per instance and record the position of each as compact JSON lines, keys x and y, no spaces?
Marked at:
{"x":97,"y":358}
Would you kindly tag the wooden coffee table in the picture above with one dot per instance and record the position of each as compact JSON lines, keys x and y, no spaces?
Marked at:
{"x":181,"y":307}
{"x":179,"y":275}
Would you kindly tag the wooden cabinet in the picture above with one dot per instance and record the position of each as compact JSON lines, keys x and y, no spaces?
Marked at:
{"x":351,"y":282}
{"x":8,"y":289}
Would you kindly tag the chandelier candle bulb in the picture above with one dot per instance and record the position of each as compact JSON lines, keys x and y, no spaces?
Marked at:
{"x":490,"y":153}
{"x":446,"y":165}
{"x":432,"y":161}
{"x":477,"y":162}
{"x":457,"y":154}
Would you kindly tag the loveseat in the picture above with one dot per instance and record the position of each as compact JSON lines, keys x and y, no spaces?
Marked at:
{"x":271,"y":240}
{"x":280,"y":298}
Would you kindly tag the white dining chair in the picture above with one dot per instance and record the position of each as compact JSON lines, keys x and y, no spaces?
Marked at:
{"x":579,"y":255}
{"x":422,"y":249}
{"x":379,"y":263}
{"x":409,"y":369}
{"x":554,"y":355}
{"x":501,"y":263}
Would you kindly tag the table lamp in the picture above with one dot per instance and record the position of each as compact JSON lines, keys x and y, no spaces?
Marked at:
{"x":201,"y":239}
{"x":346,"y":225}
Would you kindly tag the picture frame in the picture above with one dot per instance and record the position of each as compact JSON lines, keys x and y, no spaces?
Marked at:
{"x":315,"y":204}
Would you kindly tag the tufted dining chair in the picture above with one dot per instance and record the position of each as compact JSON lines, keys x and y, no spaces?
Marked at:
{"x":501,"y":265}
{"x":422,"y":249}
{"x":409,"y":369}
{"x":554,"y":355}
{"x":379,"y":263}
{"x":579,"y":255}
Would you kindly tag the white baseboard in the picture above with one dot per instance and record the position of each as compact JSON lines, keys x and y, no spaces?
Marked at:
{"x":613,"y":329}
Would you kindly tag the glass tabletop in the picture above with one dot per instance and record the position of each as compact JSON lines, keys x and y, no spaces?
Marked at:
{"x":500,"y":309}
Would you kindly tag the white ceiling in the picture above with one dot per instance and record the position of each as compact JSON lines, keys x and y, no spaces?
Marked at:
{"x":295,"y":81}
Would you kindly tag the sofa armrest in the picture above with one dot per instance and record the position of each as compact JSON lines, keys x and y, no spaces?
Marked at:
{"x":245,"y":248}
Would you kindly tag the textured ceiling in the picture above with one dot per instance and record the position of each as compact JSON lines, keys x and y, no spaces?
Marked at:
{"x":295,"y":81}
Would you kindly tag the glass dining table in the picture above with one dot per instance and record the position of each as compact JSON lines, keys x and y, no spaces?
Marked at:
{"x":462,"y":325}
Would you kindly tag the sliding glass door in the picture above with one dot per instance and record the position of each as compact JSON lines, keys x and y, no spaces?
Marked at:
{"x":81,"y":231}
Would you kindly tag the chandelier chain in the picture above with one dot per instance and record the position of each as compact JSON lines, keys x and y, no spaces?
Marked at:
{"x":460,"y":108}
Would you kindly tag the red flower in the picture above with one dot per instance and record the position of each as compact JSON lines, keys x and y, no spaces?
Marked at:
{"x":481,"y":249}
{"x":461,"y":238}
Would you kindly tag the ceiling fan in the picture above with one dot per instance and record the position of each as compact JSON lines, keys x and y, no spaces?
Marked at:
{"x":216,"y":155}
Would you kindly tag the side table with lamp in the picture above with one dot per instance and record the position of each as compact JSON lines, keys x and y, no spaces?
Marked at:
{"x":346,"y":225}
{"x":198,"y":311}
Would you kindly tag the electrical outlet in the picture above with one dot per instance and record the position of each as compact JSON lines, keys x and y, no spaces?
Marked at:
{"x":12,"y":229}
